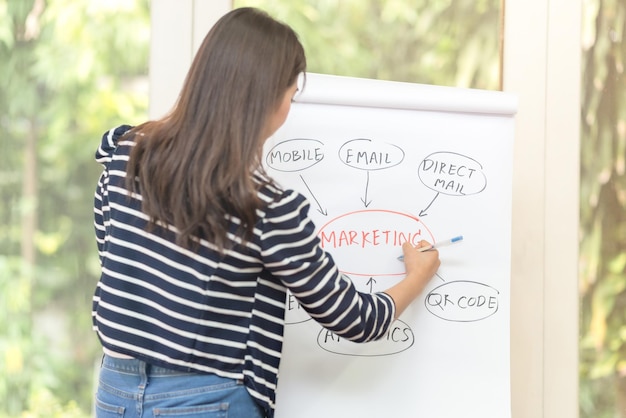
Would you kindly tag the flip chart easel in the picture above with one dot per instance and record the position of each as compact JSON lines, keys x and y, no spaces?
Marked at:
{"x":381,"y":163}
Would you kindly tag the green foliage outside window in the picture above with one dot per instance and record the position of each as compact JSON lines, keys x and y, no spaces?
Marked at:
{"x":441,"y":42}
{"x":70,"y":69}
{"x":603,"y":212}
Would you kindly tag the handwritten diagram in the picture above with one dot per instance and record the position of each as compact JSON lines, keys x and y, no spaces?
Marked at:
{"x":381,"y":230}
{"x":382,"y":163}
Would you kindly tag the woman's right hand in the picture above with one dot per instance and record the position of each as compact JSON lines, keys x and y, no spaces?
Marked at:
{"x":421,"y":266}
{"x":421,"y":261}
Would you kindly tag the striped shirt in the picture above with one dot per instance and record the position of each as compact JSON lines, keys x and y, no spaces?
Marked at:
{"x":198,"y":310}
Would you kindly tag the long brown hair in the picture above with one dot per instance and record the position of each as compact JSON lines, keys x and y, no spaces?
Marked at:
{"x":194,"y":168}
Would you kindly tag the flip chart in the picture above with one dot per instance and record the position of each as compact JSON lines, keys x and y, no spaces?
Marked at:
{"x":383,"y":163}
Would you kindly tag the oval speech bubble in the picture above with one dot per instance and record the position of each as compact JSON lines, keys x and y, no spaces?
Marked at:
{"x":366,"y":154}
{"x":462,"y":301}
{"x":399,"y":338}
{"x":368,"y":242}
{"x":295,"y":154}
{"x":294,"y":312}
{"x":452,"y":174}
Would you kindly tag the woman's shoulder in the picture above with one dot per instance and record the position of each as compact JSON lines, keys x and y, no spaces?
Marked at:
{"x":280,"y":201}
{"x":109,"y":142}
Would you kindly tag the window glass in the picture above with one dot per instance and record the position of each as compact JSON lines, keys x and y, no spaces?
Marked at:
{"x":69,"y":69}
{"x":603,"y":212}
{"x":442,"y":42}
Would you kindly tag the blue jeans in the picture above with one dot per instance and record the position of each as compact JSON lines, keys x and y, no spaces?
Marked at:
{"x":135,"y":389}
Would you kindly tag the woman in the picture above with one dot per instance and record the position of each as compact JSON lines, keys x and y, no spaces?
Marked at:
{"x":198,"y":246}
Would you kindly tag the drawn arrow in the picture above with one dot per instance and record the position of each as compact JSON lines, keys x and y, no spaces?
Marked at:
{"x":371,"y":283}
{"x":319,"y":207}
{"x":423,"y":211}
{"x":367,"y":184}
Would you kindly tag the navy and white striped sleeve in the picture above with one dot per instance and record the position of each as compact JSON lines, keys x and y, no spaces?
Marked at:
{"x":104,"y":155}
{"x":108,"y":144}
{"x":292,"y":252}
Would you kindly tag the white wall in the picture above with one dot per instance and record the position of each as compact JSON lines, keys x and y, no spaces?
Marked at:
{"x":178,"y":28}
{"x":542,"y":66}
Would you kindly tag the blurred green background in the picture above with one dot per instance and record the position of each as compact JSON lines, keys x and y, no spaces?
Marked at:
{"x":70,"y":69}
